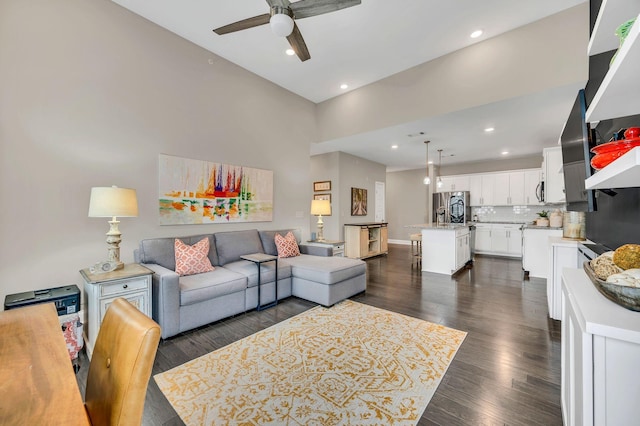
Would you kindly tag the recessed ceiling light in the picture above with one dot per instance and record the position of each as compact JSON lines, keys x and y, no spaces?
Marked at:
{"x":505,"y":152}
{"x":290,"y":52}
{"x":476,"y":34}
{"x":344,"y":86}
{"x":489,"y":129}
{"x":394,"y":146}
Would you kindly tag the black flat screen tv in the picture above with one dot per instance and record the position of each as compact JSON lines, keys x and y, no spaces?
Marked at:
{"x":577,"y":140}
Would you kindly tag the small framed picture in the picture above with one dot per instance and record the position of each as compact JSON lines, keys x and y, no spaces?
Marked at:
{"x":322,"y":197}
{"x":322,"y":186}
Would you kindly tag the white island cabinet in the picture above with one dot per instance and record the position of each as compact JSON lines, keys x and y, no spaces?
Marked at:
{"x":445,"y":248}
{"x":599,"y":356}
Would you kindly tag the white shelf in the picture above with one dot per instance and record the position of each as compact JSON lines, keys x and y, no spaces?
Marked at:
{"x":611,"y":15}
{"x":622,"y":173}
{"x":619,"y":93}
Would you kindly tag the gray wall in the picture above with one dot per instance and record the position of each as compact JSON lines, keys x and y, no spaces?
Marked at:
{"x":345,"y":172}
{"x":91,"y":94}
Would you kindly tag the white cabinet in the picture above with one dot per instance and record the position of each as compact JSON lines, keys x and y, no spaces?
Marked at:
{"x":483,"y":238}
{"x":445,"y":250}
{"x":553,"y":176}
{"x":508,"y":188}
{"x":532,"y":182}
{"x":535,"y":250}
{"x":454,"y":183}
{"x":133,"y":283}
{"x":600,"y":349}
{"x":482,"y":187}
{"x":499,"y":239}
{"x":562,"y":254}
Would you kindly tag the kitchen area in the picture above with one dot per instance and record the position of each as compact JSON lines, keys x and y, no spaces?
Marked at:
{"x":508,"y":213}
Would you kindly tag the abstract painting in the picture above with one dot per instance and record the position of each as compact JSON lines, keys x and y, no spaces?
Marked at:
{"x":201,"y":192}
{"x":358,"y":202}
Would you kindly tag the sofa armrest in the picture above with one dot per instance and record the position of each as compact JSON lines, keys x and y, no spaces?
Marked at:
{"x":316,"y":250}
{"x":165,"y":299}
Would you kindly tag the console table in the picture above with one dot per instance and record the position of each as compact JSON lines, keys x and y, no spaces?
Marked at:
{"x":364,"y":240}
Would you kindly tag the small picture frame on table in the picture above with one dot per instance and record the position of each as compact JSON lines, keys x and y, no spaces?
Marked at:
{"x":322,"y":186}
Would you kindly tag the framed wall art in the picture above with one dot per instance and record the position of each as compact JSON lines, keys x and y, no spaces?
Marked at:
{"x":358,"y":202}
{"x":202,"y":192}
{"x":322,"y":186}
{"x":322,"y":197}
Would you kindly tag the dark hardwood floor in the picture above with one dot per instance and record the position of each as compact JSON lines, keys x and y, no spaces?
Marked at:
{"x":507,"y":371}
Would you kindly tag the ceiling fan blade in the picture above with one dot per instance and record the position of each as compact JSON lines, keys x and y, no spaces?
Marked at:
{"x":244,"y":24}
{"x":307,"y":8}
{"x":297,"y":44}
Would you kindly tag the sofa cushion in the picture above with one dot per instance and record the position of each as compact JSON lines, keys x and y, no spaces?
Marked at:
{"x":268,"y":239}
{"x":199,"y":287}
{"x":233,"y":244}
{"x":161,"y":250}
{"x":192,"y":259}
{"x":267,"y":271}
{"x":287,"y":246}
{"x":325,"y":270}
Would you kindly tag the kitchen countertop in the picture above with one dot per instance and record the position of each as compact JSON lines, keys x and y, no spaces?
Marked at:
{"x":532,"y":226}
{"x":445,"y":227}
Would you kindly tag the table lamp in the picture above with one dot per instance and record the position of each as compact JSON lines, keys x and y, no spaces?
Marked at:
{"x":319,"y":208}
{"x":112,"y":202}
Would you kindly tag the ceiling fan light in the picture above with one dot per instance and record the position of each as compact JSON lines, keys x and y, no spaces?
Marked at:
{"x":281,"y":24}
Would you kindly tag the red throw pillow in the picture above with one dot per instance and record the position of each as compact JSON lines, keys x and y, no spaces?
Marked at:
{"x":192,"y":259}
{"x":287,"y":246}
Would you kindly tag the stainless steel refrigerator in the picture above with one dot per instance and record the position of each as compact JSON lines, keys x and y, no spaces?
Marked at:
{"x":451,"y":207}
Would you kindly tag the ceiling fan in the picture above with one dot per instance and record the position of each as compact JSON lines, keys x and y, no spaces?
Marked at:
{"x":281,"y":18}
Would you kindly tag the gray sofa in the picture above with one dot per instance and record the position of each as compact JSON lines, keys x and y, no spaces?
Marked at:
{"x":181,"y":303}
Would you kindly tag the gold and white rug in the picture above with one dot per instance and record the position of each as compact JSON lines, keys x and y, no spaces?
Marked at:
{"x":352,"y":364}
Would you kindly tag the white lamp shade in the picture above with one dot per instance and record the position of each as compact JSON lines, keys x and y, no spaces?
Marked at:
{"x":281,"y":24}
{"x":320,"y":207}
{"x":426,"y":180}
{"x":113,"y":201}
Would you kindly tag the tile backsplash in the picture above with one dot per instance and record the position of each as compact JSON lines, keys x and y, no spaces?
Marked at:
{"x":521,"y":214}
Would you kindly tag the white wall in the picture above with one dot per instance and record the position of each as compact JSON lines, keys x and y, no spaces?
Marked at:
{"x":90,"y":95}
{"x":544,"y":54}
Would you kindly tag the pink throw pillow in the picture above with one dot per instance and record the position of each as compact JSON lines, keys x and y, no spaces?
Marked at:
{"x":287,"y":246}
{"x":192,"y":259}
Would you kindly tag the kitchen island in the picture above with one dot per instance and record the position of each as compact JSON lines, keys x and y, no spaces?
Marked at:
{"x":445,"y":248}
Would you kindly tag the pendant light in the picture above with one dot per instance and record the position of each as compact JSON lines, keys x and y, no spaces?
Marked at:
{"x":427,"y":179}
{"x":439,"y":180}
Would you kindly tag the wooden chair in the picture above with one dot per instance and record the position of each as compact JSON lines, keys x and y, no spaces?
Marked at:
{"x":121,"y":366}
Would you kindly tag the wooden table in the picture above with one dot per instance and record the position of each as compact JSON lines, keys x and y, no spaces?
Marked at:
{"x":37,"y":382}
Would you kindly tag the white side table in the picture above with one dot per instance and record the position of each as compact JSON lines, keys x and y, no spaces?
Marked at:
{"x":133,"y":283}
{"x":336,"y":246}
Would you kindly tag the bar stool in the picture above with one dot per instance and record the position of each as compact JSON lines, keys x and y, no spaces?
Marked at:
{"x":416,"y":246}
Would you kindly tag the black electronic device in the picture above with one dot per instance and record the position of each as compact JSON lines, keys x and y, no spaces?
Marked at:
{"x":66,"y":299}
{"x":576,"y":140}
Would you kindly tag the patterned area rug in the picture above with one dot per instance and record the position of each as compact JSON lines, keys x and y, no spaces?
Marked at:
{"x":351,"y":364}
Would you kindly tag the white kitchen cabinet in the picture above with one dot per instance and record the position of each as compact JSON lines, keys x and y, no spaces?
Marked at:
{"x":562,"y":254}
{"x":508,"y":189}
{"x":532,"y":179}
{"x":475,"y":191}
{"x":445,"y":250}
{"x":535,"y":250}
{"x":482,"y":187}
{"x":454,"y":183}
{"x":483,"y":238}
{"x":553,"y":176}
{"x":499,"y":239}
{"x":600,"y":349}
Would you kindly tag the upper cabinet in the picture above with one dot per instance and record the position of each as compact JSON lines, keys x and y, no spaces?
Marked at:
{"x":553,"y":175}
{"x":532,"y":191}
{"x":619,"y":93}
{"x":454,"y":183}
